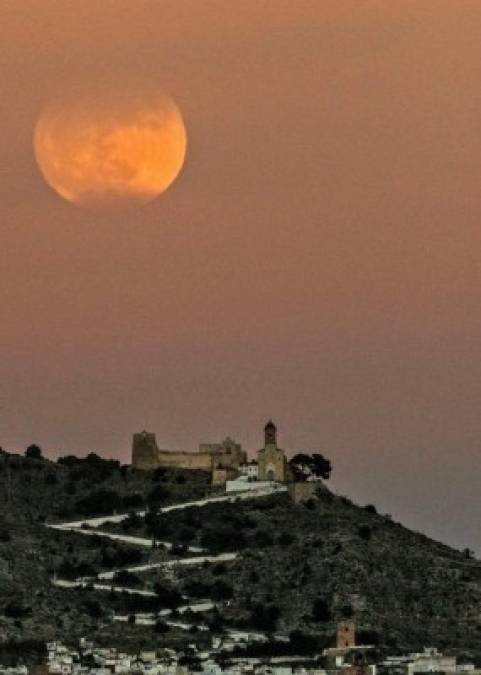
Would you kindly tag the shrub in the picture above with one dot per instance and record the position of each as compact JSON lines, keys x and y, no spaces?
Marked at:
{"x":302,"y":643}
{"x":156,"y":525}
{"x":126,"y":578}
{"x":221,"y":590}
{"x":33,"y":452}
{"x":218,"y":569}
{"x":370,"y":508}
{"x":178,"y":549}
{"x":159,"y":474}
{"x":187,"y":534}
{"x":169,"y":597}
{"x":222,"y":539}
{"x":161,"y":627}
{"x":135,"y":501}
{"x":69,"y":570}
{"x":262,"y":538}
{"x":93,"y":608}
{"x":157,"y":495}
{"x":365,"y":532}
{"x":347,"y":611}
{"x":120,"y":557}
{"x":5,"y":535}
{"x":321,"y":611}
{"x":264,"y":617}
{"x":16,"y":609}
{"x":197,"y":589}
{"x":50,"y":478}
{"x":132,"y":522}
{"x":286,"y":539}
{"x":98,"y":502}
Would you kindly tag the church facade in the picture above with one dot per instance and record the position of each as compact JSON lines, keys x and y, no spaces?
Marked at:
{"x":271,"y":460}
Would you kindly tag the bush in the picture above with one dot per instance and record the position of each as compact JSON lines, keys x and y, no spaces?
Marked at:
{"x":120,"y":557}
{"x":134,"y":501}
{"x":321,"y":611}
{"x":5,"y":535}
{"x":197,"y":589}
{"x":178,"y":549}
{"x":157,"y":495}
{"x":368,"y":637}
{"x":93,"y":608}
{"x":16,"y":609}
{"x":286,"y":539}
{"x":347,"y":611}
{"x":222,"y":539}
{"x":365,"y":532}
{"x":91,"y":469}
{"x":264,"y":617}
{"x":302,"y":643}
{"x":98,"y":502}
{"x":168,"y":597}
{"x":262,"y":539}
{"x":156,"y":525}
{"x":370,"y":508}
{"x":33,"y":452}
{"x":221,"y":590}
{"x":218,"y":569}
{"x":161,"y":627}
{"x":51,"y":478}
{"x":187,"y":534}
{"x":126,"y":578}
{"x":159,"y":474}
{"x":69,"y":570}
{"x":132,"y":522}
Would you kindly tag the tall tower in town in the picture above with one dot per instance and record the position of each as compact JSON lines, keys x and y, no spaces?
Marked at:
{"x":270,"y":435}
{"x":346,"y":635}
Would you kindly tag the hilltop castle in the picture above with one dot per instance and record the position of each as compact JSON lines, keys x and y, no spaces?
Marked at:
{"x":147,"y":455}
{"x":223,"y":460}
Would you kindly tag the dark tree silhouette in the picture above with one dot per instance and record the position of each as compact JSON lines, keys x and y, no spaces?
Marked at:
{"x":304,"y":466}
{"x":33,"y":452}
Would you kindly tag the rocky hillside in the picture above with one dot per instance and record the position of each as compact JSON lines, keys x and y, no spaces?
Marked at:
{"x":308,"y":566}
{"x":34,"y":491}
{"x":300,"y":567}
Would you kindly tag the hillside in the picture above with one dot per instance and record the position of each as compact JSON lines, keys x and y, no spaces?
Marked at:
{"x":298,"y":566}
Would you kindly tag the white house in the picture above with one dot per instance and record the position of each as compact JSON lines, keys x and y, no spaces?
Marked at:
{"x":250,"y":469}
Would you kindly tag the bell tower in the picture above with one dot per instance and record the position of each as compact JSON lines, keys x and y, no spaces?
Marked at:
{"x":270,"y":434}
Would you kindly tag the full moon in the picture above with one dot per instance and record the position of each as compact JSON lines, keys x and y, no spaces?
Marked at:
{"x":110,"y":149}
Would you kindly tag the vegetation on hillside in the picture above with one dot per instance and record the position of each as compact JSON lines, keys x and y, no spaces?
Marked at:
{"x":299,"y":570}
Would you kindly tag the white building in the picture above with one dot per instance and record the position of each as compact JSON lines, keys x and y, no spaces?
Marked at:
{"x":427,"y":661}
{"x":250,"y":469}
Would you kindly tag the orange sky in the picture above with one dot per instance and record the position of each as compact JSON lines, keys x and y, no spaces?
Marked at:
{"x":317,"y":261}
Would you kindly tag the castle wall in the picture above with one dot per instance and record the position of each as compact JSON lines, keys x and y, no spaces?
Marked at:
{"x":146,"y":455}
{"x":184,"y":460}
{"x":227,"y":454}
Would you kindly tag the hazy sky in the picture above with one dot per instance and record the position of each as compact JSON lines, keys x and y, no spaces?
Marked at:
{"x":317,"y":261}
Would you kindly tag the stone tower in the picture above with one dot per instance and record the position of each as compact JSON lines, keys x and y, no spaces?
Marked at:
{"x":346,"y":635}
{"x":270,"y":434}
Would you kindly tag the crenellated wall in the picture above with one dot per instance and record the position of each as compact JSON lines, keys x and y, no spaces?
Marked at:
{"x":147,"y":455}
